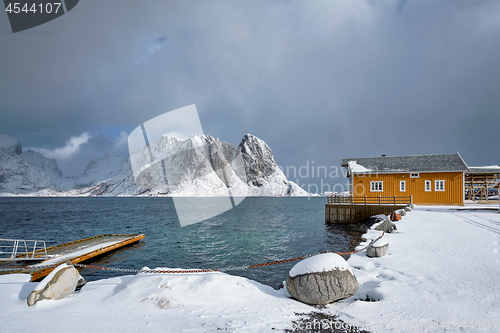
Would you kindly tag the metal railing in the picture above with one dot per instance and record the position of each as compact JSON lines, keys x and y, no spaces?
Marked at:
{"x":22,"y":249}
{"x":393,"y":200}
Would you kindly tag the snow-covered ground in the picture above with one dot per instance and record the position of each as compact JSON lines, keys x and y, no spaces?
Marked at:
{"x":441,"y":273}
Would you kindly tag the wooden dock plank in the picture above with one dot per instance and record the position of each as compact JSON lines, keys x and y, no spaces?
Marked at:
{"x":82,"y":250}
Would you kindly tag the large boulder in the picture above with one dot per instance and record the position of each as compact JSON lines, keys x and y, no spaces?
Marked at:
{"x":321,"y":279}
{"x":61,"y":282}
{"x":386,"y":226}
{"x":377,"y":249}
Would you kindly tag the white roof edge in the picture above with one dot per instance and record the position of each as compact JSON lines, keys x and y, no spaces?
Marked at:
{"x":458,"y":153}
{"x":374,"y":172}
{"x":354,"y":158}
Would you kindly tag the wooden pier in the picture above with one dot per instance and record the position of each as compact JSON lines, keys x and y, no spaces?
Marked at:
{"x":81,"y":250}
{"x":348,"y":209}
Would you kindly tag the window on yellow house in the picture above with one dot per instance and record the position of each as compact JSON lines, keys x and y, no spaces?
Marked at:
{"x":402,"y":186}
{"x":427,"y":186}
{"x":439,"y":185}
{"x":376,"y":186}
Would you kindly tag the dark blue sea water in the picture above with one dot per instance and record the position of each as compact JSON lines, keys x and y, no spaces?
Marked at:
{"x":256,"y":231}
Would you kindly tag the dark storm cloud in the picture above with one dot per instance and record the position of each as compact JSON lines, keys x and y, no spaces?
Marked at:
{"x":316,"y":80}
{"x":73,"y":157}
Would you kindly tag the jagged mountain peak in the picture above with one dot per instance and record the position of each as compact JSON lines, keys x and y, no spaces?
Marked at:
{"x":10,"y":145}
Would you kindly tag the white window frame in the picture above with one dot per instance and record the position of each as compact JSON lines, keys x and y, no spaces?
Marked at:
{"x":414,"y":175}
{"x":439,"y":185}
{"x":402,"y":186}
{"x":428,"y":187}
{"x":377,"y":186}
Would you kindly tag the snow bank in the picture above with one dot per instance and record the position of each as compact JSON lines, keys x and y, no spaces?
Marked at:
{"x":209,"y":302}
{"x":320,"y":263}
{"x":442,"y":272}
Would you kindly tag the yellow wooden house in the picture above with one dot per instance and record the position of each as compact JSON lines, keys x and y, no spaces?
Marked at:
{"x":428,"y":179}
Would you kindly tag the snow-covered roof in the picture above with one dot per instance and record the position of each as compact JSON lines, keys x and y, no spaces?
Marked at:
{"x":354,"y":167}
{"x":485,"y":169}
{"x":414,"y":163}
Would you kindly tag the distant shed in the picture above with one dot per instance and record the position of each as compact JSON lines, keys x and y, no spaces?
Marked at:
{"x":480,"y":180}
{"x":497,"y":186}
{"x":430,"y":179}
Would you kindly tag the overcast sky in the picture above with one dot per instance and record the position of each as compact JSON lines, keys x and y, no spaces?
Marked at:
{"x":316,"y":80}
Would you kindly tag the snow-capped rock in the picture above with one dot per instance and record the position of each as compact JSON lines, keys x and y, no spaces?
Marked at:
{"x":49,"y":167}
{"x":264,"y":177}
{"x":25,"y":172}
{"x":17,"y":176}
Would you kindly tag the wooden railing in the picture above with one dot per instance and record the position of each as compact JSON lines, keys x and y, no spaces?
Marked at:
{"x":394,"y":200}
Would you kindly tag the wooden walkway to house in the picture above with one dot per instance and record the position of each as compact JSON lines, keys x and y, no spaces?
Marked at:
{"x":348,"y":209}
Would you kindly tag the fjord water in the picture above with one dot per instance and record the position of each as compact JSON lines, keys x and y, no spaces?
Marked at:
{"x":259,"y":230}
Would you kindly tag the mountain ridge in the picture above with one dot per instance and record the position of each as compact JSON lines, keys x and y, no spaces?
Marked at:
{"x":197,"y":167}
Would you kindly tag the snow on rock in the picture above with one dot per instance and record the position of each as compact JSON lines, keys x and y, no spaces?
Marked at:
{"x":18,"y":176}
{"x":49,"y":167}
{"x":320,"y":263}
{"x":380,"y":242}
{"x":321,"y":279}
{"x":23,"y":172}
{"x":354,"y":167}
{"x":49,"y":277}
{"x":264,"y":177}
{"x":61,"y":282}
{"x":379,"y":217}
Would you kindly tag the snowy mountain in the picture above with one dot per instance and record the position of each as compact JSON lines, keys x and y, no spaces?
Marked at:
{"x":49,"y":167}
{"x":99,"y":169}
{"x":25,"y":172}
{"x":197,"y":166}
{"x":264,"y":177}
